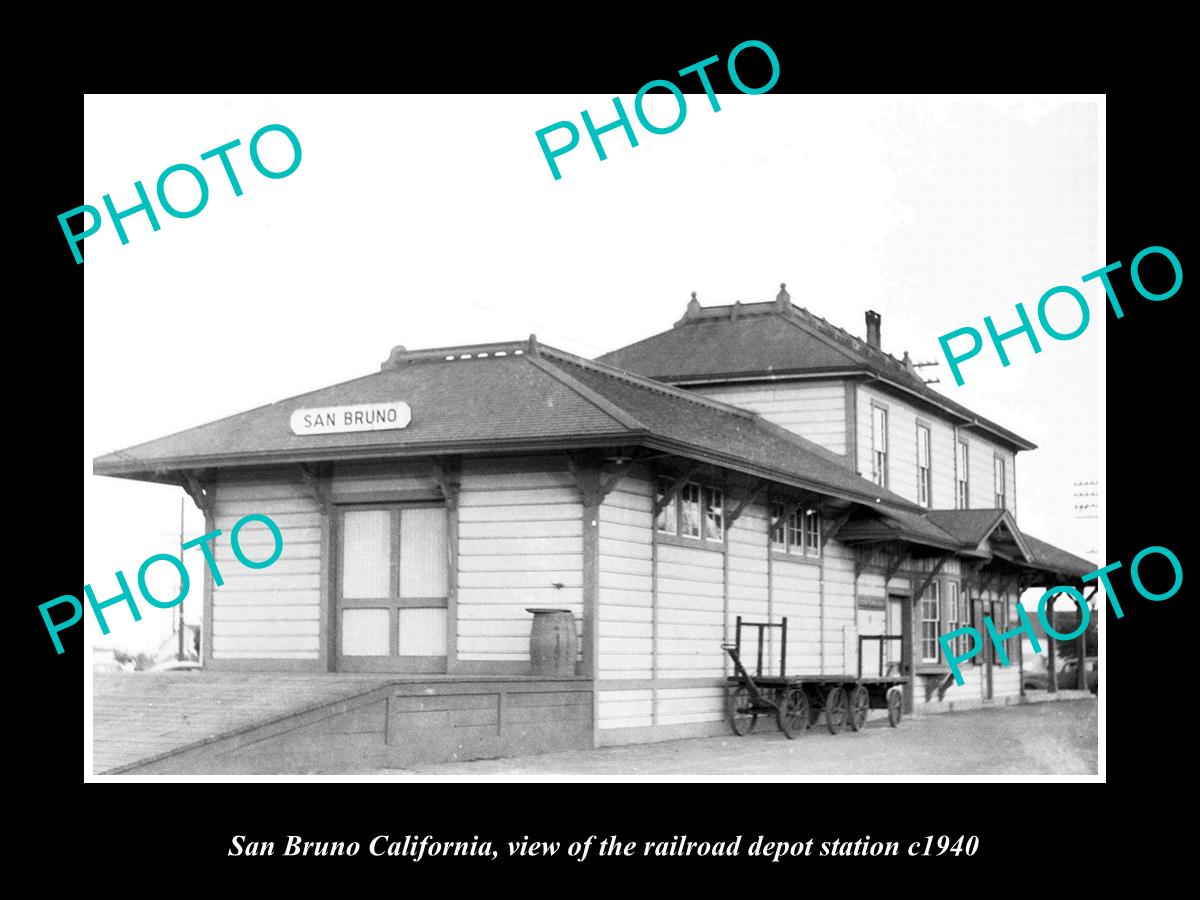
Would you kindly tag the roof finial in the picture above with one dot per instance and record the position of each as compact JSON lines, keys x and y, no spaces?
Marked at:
{"x":693,"y":307}
{"x":395,"y":359}
{"x":533,"y":345}
{"x":783,"y":299}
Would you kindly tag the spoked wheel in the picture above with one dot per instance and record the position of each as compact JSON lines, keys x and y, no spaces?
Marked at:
{"x":837,"y":709}
{"x":742,"y":716}
{"x":860,"y":705}
{"x":895,"y":700}
{"x":794,"y":713}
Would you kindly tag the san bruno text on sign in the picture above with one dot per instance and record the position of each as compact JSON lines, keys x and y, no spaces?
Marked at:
{"x":1085,"y":316}
{"x":358,"y":417}
{"x":622,"y":120}
{"x":145,"y":205}
{"x":126,"y":594}
{"x":947,"y":640}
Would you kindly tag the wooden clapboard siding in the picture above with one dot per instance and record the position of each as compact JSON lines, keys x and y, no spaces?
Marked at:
{"x":815,"y":411}
{"x":271,"y":613}
{"x":796,"y":593}
{"x":839,"y":637}
{"x":520,"y":532}
{"x":1006,"y":680}
{"x":626,"y":709}
{"x":691,"y":612}
{"x":981,"y":481}
{"x":625,"y":627}
{"x":902,"y":447}
{"x":748,"y":578}
{"x":353,"y":482}
{"x":677,"y":706}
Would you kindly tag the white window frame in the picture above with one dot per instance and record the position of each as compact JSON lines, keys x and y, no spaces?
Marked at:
{"x":800,"y":535}
{"x":1000,"y":479}
{"x":963,"y":488}
{"x":925,"y":467}
{"x":712,"y":514}
{"x":954,"y":617}
{"x":667,"y":520}
{"x":779,"y":534}
{"x":879,"y":444}
{"x":812,"y":533}
{"x":710,"y":511}
{"x":931,"y":599}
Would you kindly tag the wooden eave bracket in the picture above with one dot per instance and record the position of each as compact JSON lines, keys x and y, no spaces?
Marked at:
{"x":841,"y":520}
{"x":932,"y":575}
{"x":675,"y":487}
{"x":790,"y":508}
{"x":751,"y":496}
{"x":894,"y":566}
{"x":317,"y":485}
{"x":198,"y":493}
{"x":448,"y":481}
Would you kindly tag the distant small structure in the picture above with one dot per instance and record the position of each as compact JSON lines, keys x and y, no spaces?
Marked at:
{"x":169,"y":649}
{"x":104,"y":661}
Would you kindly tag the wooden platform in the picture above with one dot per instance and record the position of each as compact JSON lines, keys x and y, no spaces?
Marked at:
{"x":265,"y":723}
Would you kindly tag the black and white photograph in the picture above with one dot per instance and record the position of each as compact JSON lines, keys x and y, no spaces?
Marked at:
{"x":436,"y":437}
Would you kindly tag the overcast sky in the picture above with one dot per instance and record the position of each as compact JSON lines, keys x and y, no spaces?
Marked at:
{"x":430,"y":221}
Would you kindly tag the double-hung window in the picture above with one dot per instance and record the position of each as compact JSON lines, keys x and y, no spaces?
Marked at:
{"x":879,"y":445}
{"x":954,"y":618}
{"x":931,"y":622}
{"x":1000,"y":483}
{"x":924,"y":475}
{"x":963,"y":461}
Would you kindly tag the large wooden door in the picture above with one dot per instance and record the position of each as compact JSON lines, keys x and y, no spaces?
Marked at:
{"x":390,"y":613}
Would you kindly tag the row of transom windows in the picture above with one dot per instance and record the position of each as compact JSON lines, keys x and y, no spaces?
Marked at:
{"x":697,"y":511}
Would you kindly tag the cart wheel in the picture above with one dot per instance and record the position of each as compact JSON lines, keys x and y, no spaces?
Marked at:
{"x":794,"y":713}
{"x":860,"y":705}
{"x":742,"y":716}
{"x":837,"y":708}
{"x":895,"y":700}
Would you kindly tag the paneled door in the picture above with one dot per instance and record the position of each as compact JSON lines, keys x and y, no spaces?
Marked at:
{"x":392,"y":585}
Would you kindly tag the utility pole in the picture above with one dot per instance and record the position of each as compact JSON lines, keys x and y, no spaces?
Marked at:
{"x":182,"y":629}
{"x":1087,"y":508}
{"x":1087,"y":503}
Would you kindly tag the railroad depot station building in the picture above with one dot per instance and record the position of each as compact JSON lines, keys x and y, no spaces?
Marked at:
{"x":754,"y":460}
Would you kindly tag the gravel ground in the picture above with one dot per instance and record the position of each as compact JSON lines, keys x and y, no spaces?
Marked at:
{"x":1033,"y":739}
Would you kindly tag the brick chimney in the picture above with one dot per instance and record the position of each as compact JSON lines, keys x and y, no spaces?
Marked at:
{"x":873,"y":320}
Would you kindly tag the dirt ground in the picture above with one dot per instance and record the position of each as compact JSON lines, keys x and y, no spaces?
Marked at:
{"x":1034,"y":739}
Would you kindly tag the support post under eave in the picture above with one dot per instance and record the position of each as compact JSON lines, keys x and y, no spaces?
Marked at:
{"x":1082,"y":682}
{"x":593,"y":485}
{"x":204,"y":502}
{"x":1052,"y":684}
{"x":319,"y":482}
{"x":448,"y":476}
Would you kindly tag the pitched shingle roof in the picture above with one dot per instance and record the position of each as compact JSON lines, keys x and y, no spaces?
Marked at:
{"x":1055,"y":559}
{"x":969,"y":526}
{"x":897,"y":525}
{"x":743,"y":341}
{"x":518,"y":397}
